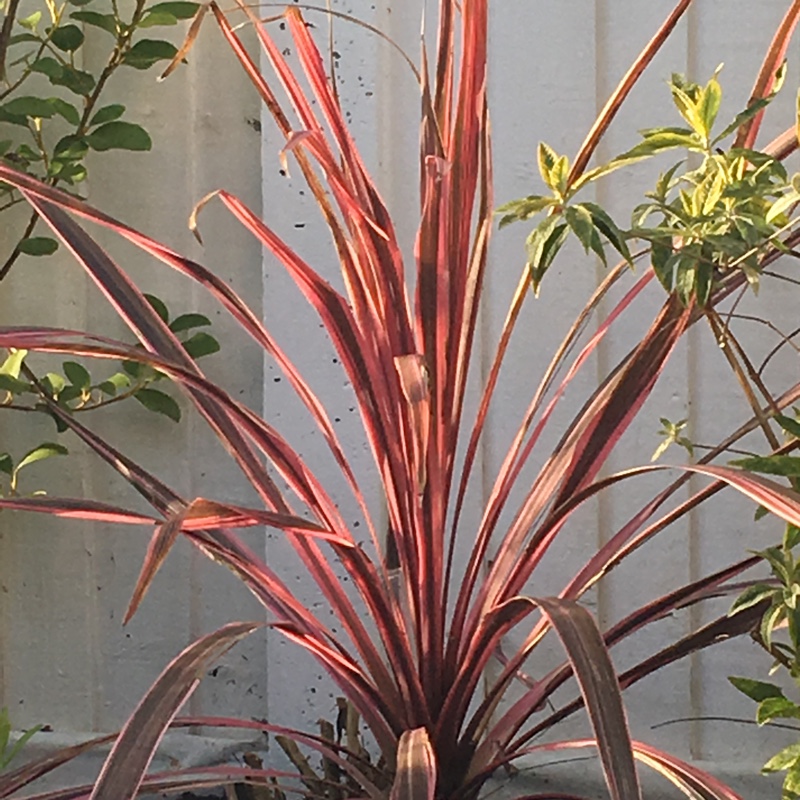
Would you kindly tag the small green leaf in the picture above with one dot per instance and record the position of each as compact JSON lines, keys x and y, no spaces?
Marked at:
{"x":154,"y":18}
{"x":67,"y":37}
{"x":71,"y":147}
{"x":147,"y":52}
{"x":661,"y":449}
{"x":29,"y":107}
{"x":134,"y":369}
{"x":47,"y":66}
{"x":791,"y":426}
{"x":54,"y":383}
{"x":113,"y":384}
{"x":77,"y":375}
{"x":61,"y":426}
{"x":66,"y":110}
{"x":786,"y":758}
{"x":686,"y":279}
{"x":67,"y":170}
{"x":201,"y":344}
{"x":580,"y":222}
{"x":119,"y":135}
{"x":543,"y":244}
{"x":713,"y":188}
{"x":609,"y":229}
{"x":38,"y":246}
{"x":13,"y":385}
{"x":710,"y":100}
{"x":547,"y":158}
{"x":769,"y":621}
{"x":797,"y":118}
{"x":751,"y":596}
{"x":26,"y":153}
{"x":791,"y":536}
{"x":791,"y":782}
{"x":756,"y":690}
{"x":168,"y":13}
{"x":5,"y":732}
{"x":107,"y":114}
{"x":68,"y":394}
{"x":178,"y":9}
{"x":788,"y":466}
{"x":7,"y":466}
{"x":108,"y":22}
{"x":75,"y":80}
{"x":159,"y":402}
{"x":660,"y":139}
{"x":780,"y":562}
{"x":19,"y":744}
{"x":187,"y":321}
{"x":46,"y":450}
{"x":560,"y":174}
{"x":704,"y":281}
{"x":689,"y":110}
{"x":755,"y":108}
{"x":620,"y":161}
{"x":523,"y":209}
{"x":159,"y":306}
{"x":13,"y":363}
{"x":776,"y":708}
{"x":31,"y":21}
{"x":23,"y":37}
{"x":782,"y":205}
{"x":780,"y":78}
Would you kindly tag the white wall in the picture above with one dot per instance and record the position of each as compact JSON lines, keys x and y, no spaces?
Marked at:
{"x":66,"y":661}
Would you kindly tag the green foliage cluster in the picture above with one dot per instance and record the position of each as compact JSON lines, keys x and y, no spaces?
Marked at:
{"x":710,"y":219}
{"x":779,"y":632}
{"x":10,"y":750}
{"x":75,"y":390}
{"x":713,"y":212}
{"x":54,"y":111}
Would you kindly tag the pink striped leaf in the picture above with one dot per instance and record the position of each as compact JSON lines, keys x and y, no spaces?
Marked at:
{"x":415,"y":776}
{"x":133,"y":750}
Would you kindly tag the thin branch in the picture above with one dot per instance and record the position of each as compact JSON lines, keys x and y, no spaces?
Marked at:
{"x":738,"y":720}
{"x":16,"y":252}
{"x":723,"y":337}
{"x":777,"y":347}
{"x":5,"y":34}
{"x":733,"y":450}
{"x":780,"y":277}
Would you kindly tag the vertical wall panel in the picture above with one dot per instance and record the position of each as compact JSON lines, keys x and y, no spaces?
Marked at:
{"x":537,"y":93}
{"x":663,"y":564}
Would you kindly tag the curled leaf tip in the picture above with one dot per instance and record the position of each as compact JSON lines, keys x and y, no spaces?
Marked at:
{"x":199,"y":206}
{"x":188,"y":42}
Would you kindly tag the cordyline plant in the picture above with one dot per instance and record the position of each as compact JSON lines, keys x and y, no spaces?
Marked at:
{"x":414,"y":633}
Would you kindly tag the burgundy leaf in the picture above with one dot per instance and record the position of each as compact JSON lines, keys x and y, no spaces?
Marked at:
{"x":133,"y":750}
